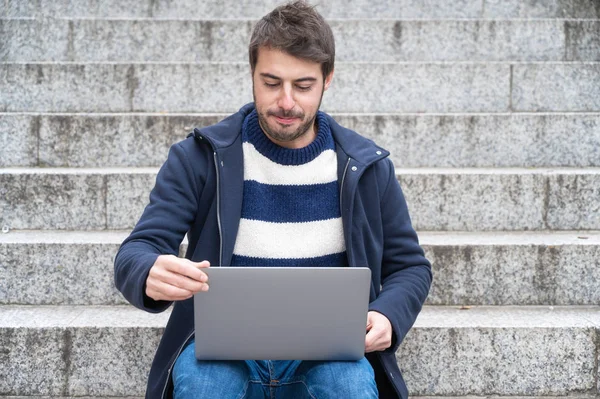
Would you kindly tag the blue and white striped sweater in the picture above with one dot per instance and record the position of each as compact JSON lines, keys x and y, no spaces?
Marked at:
{"x":290,"y":212}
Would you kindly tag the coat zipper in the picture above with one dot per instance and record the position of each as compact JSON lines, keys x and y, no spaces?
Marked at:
{"x":343,"y":179}
{"x":220,"y":262}
{"x":345,"y":228}
{"x":219,"y":211}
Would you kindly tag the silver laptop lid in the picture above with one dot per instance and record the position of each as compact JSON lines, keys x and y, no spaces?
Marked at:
{"x":281,"y":313}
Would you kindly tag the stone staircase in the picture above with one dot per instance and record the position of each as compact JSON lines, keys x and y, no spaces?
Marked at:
{"x":491,"y":110}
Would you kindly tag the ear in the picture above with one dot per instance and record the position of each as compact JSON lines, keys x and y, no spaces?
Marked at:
{"x":328,"y":80}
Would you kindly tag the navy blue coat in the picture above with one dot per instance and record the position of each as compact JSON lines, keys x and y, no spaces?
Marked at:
{"x":198,"y":191}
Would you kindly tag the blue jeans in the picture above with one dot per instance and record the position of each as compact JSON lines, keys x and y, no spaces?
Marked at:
{"x":271,"y":379}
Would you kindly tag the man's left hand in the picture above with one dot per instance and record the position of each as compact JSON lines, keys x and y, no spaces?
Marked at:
{"x":379,"y":332}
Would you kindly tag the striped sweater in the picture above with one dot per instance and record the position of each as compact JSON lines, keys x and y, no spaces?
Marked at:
{"x":291,"y":209}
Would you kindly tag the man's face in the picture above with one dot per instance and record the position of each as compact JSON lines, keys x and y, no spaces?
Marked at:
{"x":287,"y":94}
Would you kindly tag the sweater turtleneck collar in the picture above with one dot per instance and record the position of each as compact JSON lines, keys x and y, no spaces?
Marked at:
{"x":252,"y":133}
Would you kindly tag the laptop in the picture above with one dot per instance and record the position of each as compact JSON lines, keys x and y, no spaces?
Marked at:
{"x":282,"y":313}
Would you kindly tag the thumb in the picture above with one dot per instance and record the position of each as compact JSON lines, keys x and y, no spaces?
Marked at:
{"x":369,"y":321}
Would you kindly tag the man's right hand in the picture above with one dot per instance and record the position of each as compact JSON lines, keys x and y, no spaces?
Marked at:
{"x":175,"y":279}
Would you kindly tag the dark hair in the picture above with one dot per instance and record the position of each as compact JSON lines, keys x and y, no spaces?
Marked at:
{"x":297,"y":29}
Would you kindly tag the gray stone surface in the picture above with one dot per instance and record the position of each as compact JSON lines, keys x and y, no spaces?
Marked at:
{"x":556,"y":87}
{"x":119,"y":87}
{"x":75,"y":351}
{"x":73,"y":8}
{"x":504,"y":140}
{"x":583,"y":40}
{"x":31,"y":317}
{"x":499,"y":361}
{"x":388,"y":40}
{"x":232,"y":9}
{"x":113,"y":140}
{"x":418,"y":88}
{"x":474,"y":201}
{"x":574,"y":201}
{"x":50,"y":87}
{"x":76,"y":268}
{"x":196,"y":41}
{"x":127,"y":196}
{"x":438,"y":9}
{"x":40,"y":40}
{"x":454,"y":140}
{"x":33,"y":362}
{"x":438,"y":199}
{"x":18,"y":140}
{"x":40,"y":200}
{"x":513,"y":268}
{"x":98,"y":353}
{"x":69,"y":273}
{"x":18,"y":9}
{"x":202,"y":88}
{"x":501,"y":351}
{"x":363,"y":40}
{"x":542,"y":9}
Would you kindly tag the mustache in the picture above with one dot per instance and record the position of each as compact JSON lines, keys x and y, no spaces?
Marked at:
{"x":281,"y":113}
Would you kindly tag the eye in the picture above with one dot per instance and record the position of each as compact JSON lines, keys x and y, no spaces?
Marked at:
{"x":271,"y":84}
{"x":304,"y":88}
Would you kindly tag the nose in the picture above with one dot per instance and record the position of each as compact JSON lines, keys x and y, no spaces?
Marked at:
{"x":286,"y":99}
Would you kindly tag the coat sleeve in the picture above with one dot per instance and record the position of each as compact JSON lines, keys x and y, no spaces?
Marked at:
{"x":405,"y":272}
{"x":160,"y":230}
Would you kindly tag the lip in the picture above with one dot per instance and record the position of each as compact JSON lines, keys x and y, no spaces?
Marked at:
{"x":285,"y":121}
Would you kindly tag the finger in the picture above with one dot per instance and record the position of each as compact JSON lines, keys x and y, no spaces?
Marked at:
{"x":163,"y":275}
{"x":159,"y":276}
{"x":377,"y":340}
{"x":187,"y":268}
{"x":369,"y":341}
{"x":161,"y":291}
{"x":184,"y":282}
{"x":202,"y":265}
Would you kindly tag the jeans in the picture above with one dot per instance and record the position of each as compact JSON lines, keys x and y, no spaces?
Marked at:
{"x":271,"y":379}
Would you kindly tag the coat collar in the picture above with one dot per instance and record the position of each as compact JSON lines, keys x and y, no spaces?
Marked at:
{"x":355,"y":146}
{"x":360,"y":149}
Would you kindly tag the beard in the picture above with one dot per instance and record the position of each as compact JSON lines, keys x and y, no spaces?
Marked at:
{"x":285,"y":133}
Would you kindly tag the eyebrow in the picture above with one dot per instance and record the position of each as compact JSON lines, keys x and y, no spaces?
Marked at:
{"x":304,"y":79}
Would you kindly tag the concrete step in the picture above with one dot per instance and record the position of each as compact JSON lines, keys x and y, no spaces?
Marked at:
{"x":415,"y":140}
{"x":59,"y":267}
{"x":541,"y":9}
{"x":77,"y":351}
{"x":127,"y":40}
{"x":439,"y":199}
{"x":513,"y":268}
{"x":520,"y":268}
{"x":202,"y":88}
{"x":391,"y":88}
{"x":106,"y":351}
{"x":502,"y":351}
{"x":232,"y":9}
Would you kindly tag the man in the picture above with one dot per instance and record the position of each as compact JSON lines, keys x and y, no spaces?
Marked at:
{"x":245,"y":190}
